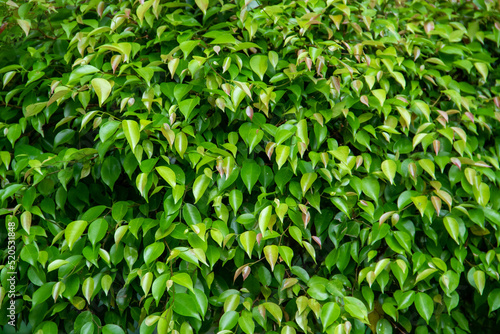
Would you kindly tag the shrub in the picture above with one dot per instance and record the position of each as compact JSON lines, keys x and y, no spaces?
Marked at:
{"x":250,"y":166}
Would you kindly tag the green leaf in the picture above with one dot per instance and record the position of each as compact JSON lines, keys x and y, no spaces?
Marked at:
{"x":384,"y":327}
{"x":341,"y":204}
{"x":153,"y":251}
{"x":56,"y":264}
{"x":275,"y":311}
{"x":371,"y":188}
{"x":203,"y":5}
{"x":356,"y":308}
{"x":102,"y":88}
{"x":479,"y":280}
{"x":420,"y":203}
{"x":247,"y":240}
{"x":132,"y":133}
{"x":112,"y":329}
{"x":424,"y":305}
{"x":494,"y":300}
{"x":258,"y":63}
{"x":235,"y":199}
{"x":265,"y":218}
{"x":29,"y":254}
{"x":97,"y":230}
{"x":110,"y":171}
{"x":330,"y":312}
{"x":451,"y":225}
{"x":423,"y":108}
{"x":246,"y":322}
{"x":181,"y":143}
{"x":88,"y":288}
{"x":228,"y":320}
{"x":106,"y":282}
{"x":191,"y":214}
{"x":250,"y":172}
{"x":307,"y":181}
{"x":428,"y":166}
{"x":63,"y":137}
{"x":184,"y":280}
{"x":200,"y":186}
{"x":482,"y":68}
{"x":271,"y":254}
{"x":286,"y":254}
{"x":389,"y":169}
{"x":183,"y":305}
{"x":73,"y":232}
{"x":168,"y":175}
{"x":42,"y":294}
{"x":482,"y":194}
{"x":187,"y":106}
{"x":380,"y":94}
{"x":282,"y":154}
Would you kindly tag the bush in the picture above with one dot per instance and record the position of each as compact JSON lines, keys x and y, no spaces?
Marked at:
{"x":250,"y":166}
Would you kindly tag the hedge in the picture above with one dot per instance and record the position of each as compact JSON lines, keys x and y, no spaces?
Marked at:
{"x":250,"y":166}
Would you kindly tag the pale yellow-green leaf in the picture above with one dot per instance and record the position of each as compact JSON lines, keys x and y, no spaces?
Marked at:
{"x":102,"y":88}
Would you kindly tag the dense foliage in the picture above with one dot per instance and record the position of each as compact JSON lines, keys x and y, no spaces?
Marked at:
{"x":250,"y":166}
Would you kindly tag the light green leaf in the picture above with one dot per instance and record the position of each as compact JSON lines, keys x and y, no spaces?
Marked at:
{"x":168,"y":175}
{"x":428,"y":166}
{"x":329,"y":314}
{"x":203,"y":5}
{"x":389,"y":169}
{"x":307,"y":181}
{"x":184,"y":280}
{"x":184,"y":305}
{"x":246,"y":322}
{"x":187,"y":106}
{"x":153,"y":251}
{"x":97,"y":230}
{"x":200,"y":186}
{"x":286,"y":254}
{"x":29,"y":254}
{"x":341,"y":204}
{"x":73,"y":231}
{"x":271,"y":254}
{"x":132,"y":133}
{"x":282,"y":154}
{"x":102,"y":88}
{"x":258,"y":63}
{"x":423,"y":108}
{"x":479,"y":280}
{"x":482,"y":68}
{"x":424,"y":305}
{"x":380,"y":94}
{"x":235,"y":199}
{"x":112,"y":329}
{"x":451,"y":225}
{"x":275,"y":310}
{"x":88,"y":288}
{"x":56,"y":264}
{"x":106,"y":282}
{"x":356,"y":308}
{"x":247,"y":240}
{"x":181,"y":143}
{"x":420,"y":203}
{"x":265,"y":218}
